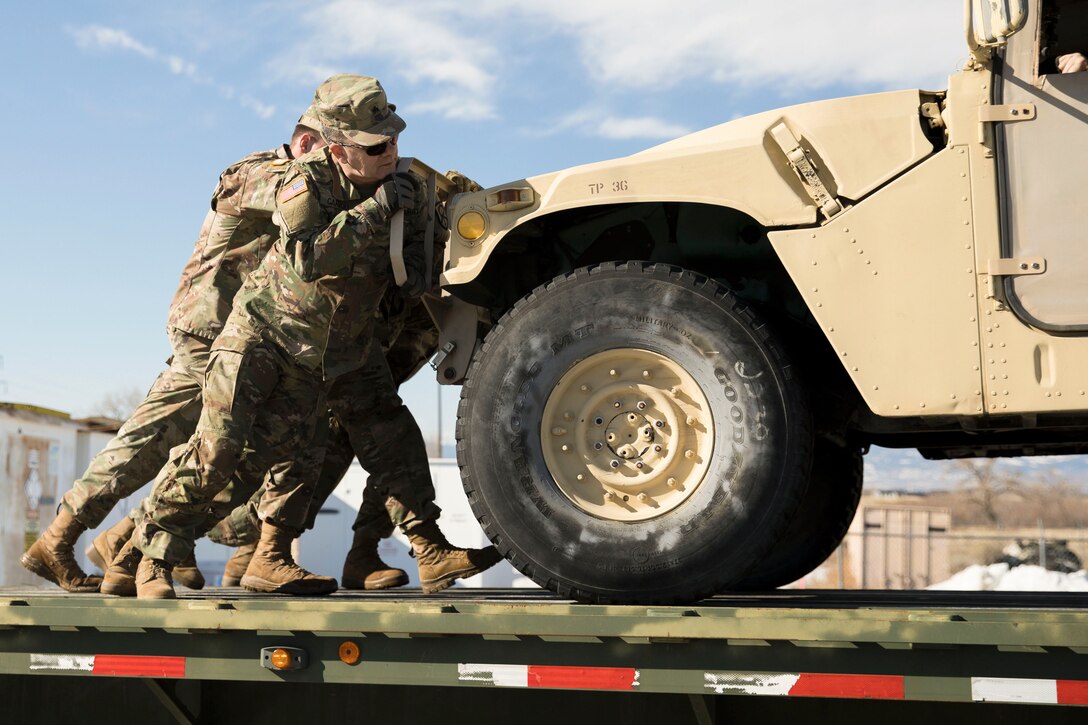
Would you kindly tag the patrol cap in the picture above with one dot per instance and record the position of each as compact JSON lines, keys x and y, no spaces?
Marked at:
{"x":310,"y":119}
{"x":354,"y":109}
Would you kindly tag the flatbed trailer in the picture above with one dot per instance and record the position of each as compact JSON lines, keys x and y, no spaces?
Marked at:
{"x":499,"y":655}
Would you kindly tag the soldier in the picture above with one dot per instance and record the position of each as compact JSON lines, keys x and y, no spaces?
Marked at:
{"x":235,"y":236}
{"x":390,"y":447}
{"x":302,"y":320}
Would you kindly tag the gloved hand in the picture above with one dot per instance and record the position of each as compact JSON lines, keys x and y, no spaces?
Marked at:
{"x":398,"y":192}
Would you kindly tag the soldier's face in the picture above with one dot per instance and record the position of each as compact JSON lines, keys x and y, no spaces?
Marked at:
{"x":361,"y":167}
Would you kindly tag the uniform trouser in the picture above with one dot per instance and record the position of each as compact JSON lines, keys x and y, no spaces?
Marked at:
{"x":399,"y":490}
{"x":254,"y":391}
{"x":166,"y":418}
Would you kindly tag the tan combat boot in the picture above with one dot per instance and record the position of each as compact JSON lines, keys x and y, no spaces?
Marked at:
{"x":237,"y":565}
{"x":188,"y":574}
{"x":441,"y":563}
{"x":364,"y":569}
{"x":105,"y":547}
{"x":120,"y":579}
{"x":153,"y":580}
{"x":272,"y":569}
{"x":51,"y":556}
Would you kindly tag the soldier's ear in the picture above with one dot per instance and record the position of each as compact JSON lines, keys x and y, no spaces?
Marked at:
{"x":337,"y":152}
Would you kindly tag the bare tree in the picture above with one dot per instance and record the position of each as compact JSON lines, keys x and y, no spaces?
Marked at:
{"x":985,"y":483}
{"x":118,"y":404}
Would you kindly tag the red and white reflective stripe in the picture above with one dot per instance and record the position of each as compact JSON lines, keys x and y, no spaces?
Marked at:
{"x":1008,"y":689}
{"x":877,"y":687}
{"x":117,"y":665}
{"x":566,"y":678}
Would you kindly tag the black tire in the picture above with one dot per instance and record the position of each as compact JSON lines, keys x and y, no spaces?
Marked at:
{"x":761,"y":433}
{"x":821,"y":521}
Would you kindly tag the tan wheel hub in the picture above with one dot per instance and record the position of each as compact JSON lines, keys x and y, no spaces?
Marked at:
{"x":627,"y":434}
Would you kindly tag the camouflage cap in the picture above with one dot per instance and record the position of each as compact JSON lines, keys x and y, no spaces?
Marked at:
{"x":354,"y":109}
{"x":310,"y":118}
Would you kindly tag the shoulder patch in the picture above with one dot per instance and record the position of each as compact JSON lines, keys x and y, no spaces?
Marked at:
{"x":293,"y":189}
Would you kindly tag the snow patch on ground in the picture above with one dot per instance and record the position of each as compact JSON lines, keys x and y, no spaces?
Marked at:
{"x":1024,"y":578}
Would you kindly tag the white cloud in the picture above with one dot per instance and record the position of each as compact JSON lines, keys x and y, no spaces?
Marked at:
{"x":652,"y":45}
{"x":102,"y":38}
{"x":602,"y":124}
{"x":423,"y":42}
{"x":98,"y":37}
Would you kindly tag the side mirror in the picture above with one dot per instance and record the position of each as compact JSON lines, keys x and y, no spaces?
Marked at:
{"x":991,"y":22}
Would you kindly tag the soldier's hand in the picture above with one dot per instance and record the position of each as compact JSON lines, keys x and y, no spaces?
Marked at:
{"x":461,"y":183}
{"x":1072,"y":63}
{"x":398,"y":192}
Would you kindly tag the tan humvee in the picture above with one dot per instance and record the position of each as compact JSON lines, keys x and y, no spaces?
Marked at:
{"x":688,"y":349}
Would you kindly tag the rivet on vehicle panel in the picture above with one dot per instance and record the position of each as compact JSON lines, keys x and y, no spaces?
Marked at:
{"x":615,"y":464}
{"x":641,"y":405}
{"x":997,"y":325}
{"x":855,"y":370}
{"x":1004,"y":360}
{"x":978,"y":392}
{"x":1023,"y":265}
{"x":643,"y":497}
{"x":1004,"y":377}
{"x":1035,"y":265}
{"x":565,"y":449}
{"x":568,"y":416}
{"x":815,"y":290}
{"x":875,"y":272}
{"x":598,"y":445}
{"x":557,"y":431}
{"x":608,"y":495}
{"x":689,"y":453}
{"x":690,"y":420}
{"x":973,"y":319}
{"x":845,"y":230}
{"x":1058,"y":394}
{"x":671,"y":483}
{"x":966,"y":222}
{"x":585,"y":388}
{"x":640,"y":464}
{"x":645,"y":373}
{"x":921,"y":405}
{"x":1004,"y":405}
{"x":659,"y":424}
{"x":613,"y":372}
{"x":1006,"y":392}
{"x":831,"y":329}
{"x":657,"y":449}
{"x":616,"y":404}
{"x":953,"y":396}
{"x":897,"y":407}
{"x":876,"y":387}
{"x":993,"y":377}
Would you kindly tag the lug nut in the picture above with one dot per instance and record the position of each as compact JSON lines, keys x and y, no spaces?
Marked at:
{"x":659,"y":423}
{"x":613,"y":372}
{"x":689,"y":453}
{"x":645,"y":373}
{"x":598,"y":445}
{"x":614,"y":463}
{"x":640,"y":464}
{"x":643,"y":497}
{"x":616,"y":404}
{"x":671,"y":483}
{"x":690,"y":420}
{"x":657,"y":449}
{"x":641,"y":405}
{"x":585,"y":388}
{"x":565,"y":449}
{"x":608,"y":495}
{"x":580,"y":477}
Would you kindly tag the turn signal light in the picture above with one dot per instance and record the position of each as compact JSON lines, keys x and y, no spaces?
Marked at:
{"x":471,"y":225}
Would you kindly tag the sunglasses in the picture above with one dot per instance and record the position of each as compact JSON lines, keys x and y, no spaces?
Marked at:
{"x":375,"y":150}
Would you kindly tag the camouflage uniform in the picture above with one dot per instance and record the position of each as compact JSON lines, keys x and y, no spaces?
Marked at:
{"x":399,"y":489}
{"x":299,"y":322}
{"x":235,"y":236}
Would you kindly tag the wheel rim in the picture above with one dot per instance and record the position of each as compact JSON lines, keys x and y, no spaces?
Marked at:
{"x":627,"y":435}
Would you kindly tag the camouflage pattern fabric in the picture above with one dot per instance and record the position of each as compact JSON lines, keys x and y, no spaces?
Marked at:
{"x":254,"y":392}
{"x":316,"y":293}
{"x":166,"y":418}
{"x":306,"y":312}
{"x":235,"y":235}
{"x":392,"y":494}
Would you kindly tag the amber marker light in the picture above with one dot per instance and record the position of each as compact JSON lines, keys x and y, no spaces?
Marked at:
{"x":349,"y":653}
{"x":280,"y":659}
{"x":471,"y":225}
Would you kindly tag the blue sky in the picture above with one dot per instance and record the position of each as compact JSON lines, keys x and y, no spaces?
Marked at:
{"x":119,"y":116}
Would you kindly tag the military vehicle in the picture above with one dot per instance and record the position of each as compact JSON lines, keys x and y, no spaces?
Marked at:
{"x":688,"y":350}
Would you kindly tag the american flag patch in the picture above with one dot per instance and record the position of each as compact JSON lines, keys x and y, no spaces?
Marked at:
{"x":290,"y":191}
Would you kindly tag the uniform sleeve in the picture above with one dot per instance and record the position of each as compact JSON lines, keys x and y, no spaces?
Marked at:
{"x":318,"y":246}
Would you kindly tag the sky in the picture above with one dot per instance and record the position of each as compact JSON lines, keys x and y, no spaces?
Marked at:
{"x":119,"y":116}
